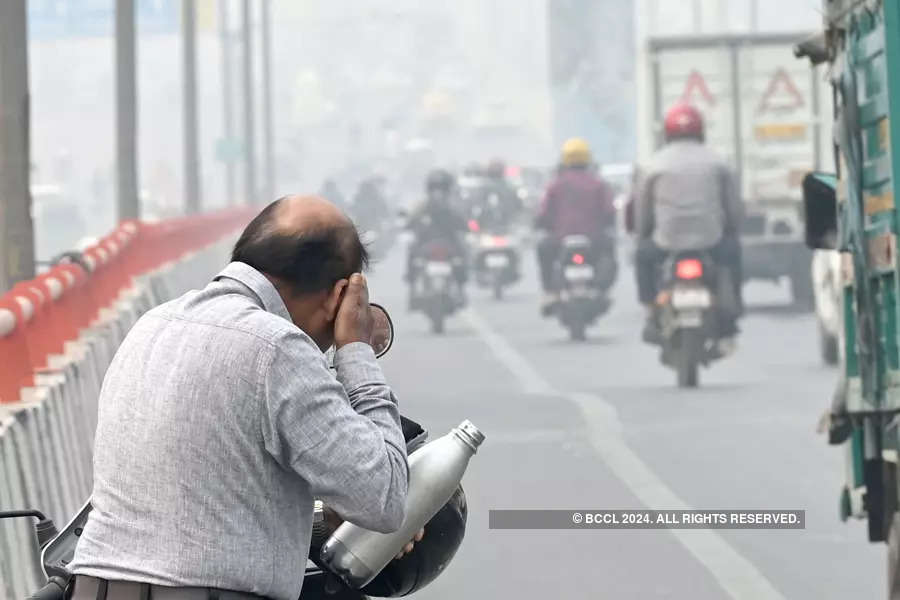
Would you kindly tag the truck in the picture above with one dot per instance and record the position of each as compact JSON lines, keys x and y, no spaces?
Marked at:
{"x":854,"y":211}
{"x":762,"y":111}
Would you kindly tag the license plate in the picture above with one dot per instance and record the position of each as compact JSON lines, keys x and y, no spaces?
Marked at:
{"x":689,"y":318}
{"x":694,"y":297}
{"x":496,"y":261}
{"x":579,"y":272}
{"x":438,"y":269}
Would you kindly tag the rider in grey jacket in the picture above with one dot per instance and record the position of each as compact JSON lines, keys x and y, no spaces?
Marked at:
{"x":688,"y":200}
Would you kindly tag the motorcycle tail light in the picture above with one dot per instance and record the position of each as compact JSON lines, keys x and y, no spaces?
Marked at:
{"x":578,"y":259}
{"x":474,"y":226}
{"x":499,"y":241}
{"x":689,"y":268}
{"x":438,"y":253}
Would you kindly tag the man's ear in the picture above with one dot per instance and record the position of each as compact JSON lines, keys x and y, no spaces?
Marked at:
{"x":334,"y":299}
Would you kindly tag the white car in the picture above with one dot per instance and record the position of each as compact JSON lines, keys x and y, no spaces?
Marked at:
{"x":827,"y":290}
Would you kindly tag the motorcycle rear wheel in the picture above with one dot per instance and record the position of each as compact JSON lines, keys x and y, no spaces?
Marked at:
{"x":437,"y":324}
{"x":577,"y":332}
{"x":687,"y":360}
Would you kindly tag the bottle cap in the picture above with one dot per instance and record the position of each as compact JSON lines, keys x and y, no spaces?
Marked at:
{"x":468,"y":430}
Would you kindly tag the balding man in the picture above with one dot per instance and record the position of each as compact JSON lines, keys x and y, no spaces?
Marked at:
{"x":220,"y":421}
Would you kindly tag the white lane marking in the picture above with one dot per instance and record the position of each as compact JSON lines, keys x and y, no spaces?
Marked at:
{"x":736,"y":574}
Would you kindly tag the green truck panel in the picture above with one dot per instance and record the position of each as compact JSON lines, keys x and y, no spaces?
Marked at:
{"x":862,"y":39}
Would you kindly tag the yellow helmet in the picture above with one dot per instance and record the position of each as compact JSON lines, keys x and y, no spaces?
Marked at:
{"x":576,"y":153}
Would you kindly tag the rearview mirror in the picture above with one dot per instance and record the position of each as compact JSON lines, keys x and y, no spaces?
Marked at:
{"x":382,"y":331}
{"x":820,"y":210}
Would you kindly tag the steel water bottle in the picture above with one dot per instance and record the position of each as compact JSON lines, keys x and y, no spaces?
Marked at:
{"x":357,"y":555}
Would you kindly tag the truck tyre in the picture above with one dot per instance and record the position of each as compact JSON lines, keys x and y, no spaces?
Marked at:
{"x":880,"y":501}
{"x":828,"y":346}
{"x":802,"y":293}
{"x":893,"y":559}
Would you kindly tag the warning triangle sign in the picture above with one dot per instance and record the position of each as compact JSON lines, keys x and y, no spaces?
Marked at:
{"x":782,"y":94}
{"x":696,"y":85}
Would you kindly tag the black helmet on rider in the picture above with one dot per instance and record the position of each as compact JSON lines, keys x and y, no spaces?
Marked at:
{"x":439,"y":185}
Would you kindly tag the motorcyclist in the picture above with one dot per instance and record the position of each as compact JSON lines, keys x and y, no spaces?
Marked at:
{"x":688,"y":200}
{"x":577,"y":202}
{"x":437,"y":220}
{"x":498,"y":205}
{"x":369,"y":205}
{"x":331,"y":192}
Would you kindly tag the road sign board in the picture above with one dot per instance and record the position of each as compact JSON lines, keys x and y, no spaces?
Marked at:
{"x":696,"y":84}
{"x":781,"y":94}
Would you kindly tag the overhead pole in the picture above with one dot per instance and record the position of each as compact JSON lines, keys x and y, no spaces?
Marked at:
{"x":268,"y":135}
{"x":227,"y":101}
{"x":16,"y":229}
{"x":250,"y":193}
{"x":128,"y":203}
{"x":193,"y":200}
{"x":698,"y":16}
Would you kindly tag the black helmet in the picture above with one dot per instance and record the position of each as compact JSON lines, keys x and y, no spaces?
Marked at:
{"x":443,"y":536}
{"x":440,"y":179}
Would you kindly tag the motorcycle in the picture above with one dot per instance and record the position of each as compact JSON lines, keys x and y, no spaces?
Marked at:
{"x":403,"y":576}
{"x":583,"y":274}
{"x":412,"y":572}
{"x":435,"y":287}
{"x":495,"y":247}
{"x":495,"y":260}
{"x":688,"y":314}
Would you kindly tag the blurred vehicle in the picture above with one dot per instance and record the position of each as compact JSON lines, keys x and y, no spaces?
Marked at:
{"x":331,"y":192}
{"x":372,"y":216}
{"x":58,"y":222}
{"x":529,"y":183}
{"x":76,"y":254}
{"x":856,"y":213}
{"x":688,"y":314}
{"x":470,"y":190}
{"x":577,"y":256}
{"x":828,"y":289}
{"x":583,"y":273}
{"x":495,"y":259}
{"x":763,"y":113}
{"x":494,"y":211}
{"x":688,"y":204}
{"x":437,"y":266}
{"x":435,"y":288}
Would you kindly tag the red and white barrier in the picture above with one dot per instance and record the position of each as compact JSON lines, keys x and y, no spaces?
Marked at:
{"x":58,"y":334}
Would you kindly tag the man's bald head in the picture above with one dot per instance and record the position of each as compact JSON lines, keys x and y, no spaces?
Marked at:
{"x":304,"y":242}
{"x":300,"y":213}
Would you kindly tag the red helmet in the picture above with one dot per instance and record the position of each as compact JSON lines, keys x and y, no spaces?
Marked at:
{"x":683,"y":120}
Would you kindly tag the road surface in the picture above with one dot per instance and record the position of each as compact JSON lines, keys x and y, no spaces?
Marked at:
{"x":601,"y":425}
